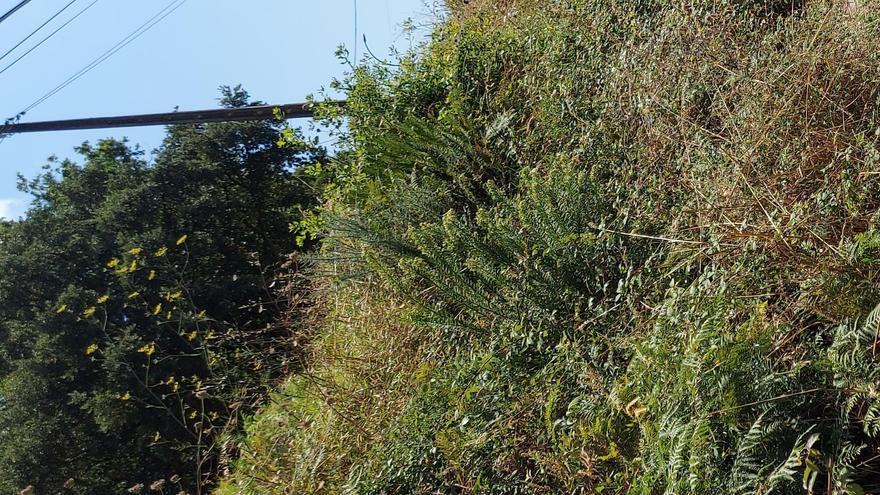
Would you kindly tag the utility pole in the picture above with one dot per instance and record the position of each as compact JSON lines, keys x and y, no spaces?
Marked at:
{"x":240,"y":114}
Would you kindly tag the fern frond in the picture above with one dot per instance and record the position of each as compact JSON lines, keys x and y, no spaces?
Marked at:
{"x":788,"y":470}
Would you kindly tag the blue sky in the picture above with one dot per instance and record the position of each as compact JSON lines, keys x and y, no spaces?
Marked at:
{"x":280,"y":50}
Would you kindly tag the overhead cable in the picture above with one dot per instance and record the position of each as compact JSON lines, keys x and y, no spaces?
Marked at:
{"x":137,"y":33}
{"x":35,"y":31}
{"x":13,"y":10}
{"x":47,"y":38}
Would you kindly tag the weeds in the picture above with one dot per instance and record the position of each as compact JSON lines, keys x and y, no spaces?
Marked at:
{"x":635,"y":242}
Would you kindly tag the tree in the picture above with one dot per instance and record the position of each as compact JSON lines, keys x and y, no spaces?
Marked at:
{"x":137,"y":314}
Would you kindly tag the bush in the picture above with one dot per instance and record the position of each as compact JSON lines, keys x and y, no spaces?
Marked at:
{"x":636,"y":240}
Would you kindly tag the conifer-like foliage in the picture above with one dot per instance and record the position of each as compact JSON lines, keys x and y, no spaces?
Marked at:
{"x":138,"y":315}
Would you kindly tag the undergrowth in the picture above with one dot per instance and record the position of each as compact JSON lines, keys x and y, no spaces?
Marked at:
{"x":598,"y":247}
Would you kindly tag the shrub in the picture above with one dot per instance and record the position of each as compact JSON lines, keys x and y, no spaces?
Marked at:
{"x":636,"y":240}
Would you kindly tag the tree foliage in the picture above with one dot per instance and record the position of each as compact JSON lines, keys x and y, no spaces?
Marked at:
{"x":139,"y":318}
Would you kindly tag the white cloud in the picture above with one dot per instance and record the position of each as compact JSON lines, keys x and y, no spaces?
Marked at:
{"x":9,"y":208}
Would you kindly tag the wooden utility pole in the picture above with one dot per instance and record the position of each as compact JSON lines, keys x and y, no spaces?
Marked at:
{"x":240,"y":114}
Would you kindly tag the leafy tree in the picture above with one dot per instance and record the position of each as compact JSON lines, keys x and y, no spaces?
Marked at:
{"x":137,"y":306}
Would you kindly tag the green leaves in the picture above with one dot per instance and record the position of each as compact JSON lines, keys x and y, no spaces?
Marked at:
{"x":130,"y":291}
{"x":626,"y":234}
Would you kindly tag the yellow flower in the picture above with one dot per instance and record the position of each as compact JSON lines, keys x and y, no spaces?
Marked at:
{"x":152,"y":275}
{"x":126,"y":396}
{"x":161,"y":252}
{"x":148,"y":349}
{"x":202,"y":314}
{"x":89,"y":312}
{"x":182,"y":239}
{"x":174,"y":296}
{"x":91,"y":349}
{"x":103,"y":299}
{"x":134,"y":295}
{"x":135,"y":251}
{"x":61,"y":309}
{"x":157,"y":309}
{"x":193,"y":414}
{"x":113,"y":263}
{"x":192,"y":336}
{"x":173,"y":383}
{"x":133,"y":267}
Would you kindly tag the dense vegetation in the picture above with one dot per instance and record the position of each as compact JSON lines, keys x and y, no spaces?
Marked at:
{"x":138,"y":314}
{"x":570,"y":246}
{"x":585,"y":246}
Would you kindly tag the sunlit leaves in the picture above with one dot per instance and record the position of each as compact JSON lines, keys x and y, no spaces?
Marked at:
{"x":148,"y":349}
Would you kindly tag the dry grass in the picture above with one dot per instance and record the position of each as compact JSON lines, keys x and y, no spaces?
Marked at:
{"x":357,"y":380}
{"x":740,"y":145}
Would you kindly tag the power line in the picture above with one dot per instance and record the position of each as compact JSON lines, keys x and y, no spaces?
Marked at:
{"x":47,"y":38}
{"x":14,"y":10}
{"x":35,"y":31}
{"x":137,"y":33}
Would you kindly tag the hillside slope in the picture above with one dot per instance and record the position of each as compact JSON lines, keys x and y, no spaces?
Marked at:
{"x":597,"y":247}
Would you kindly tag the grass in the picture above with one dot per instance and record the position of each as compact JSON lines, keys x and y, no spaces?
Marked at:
{"x":598,"y":247}
{"x":316,"y":425}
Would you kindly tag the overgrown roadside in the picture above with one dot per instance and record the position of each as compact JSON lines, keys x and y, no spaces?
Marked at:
{"x":598,"y":247}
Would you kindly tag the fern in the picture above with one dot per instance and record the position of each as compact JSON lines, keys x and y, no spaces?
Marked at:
{"x":856,"y":369}
{"x":747,"y":467}
{"x":787,"y":471}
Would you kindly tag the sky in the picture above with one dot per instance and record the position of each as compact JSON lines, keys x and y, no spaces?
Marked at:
{"x":279,"y":50}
